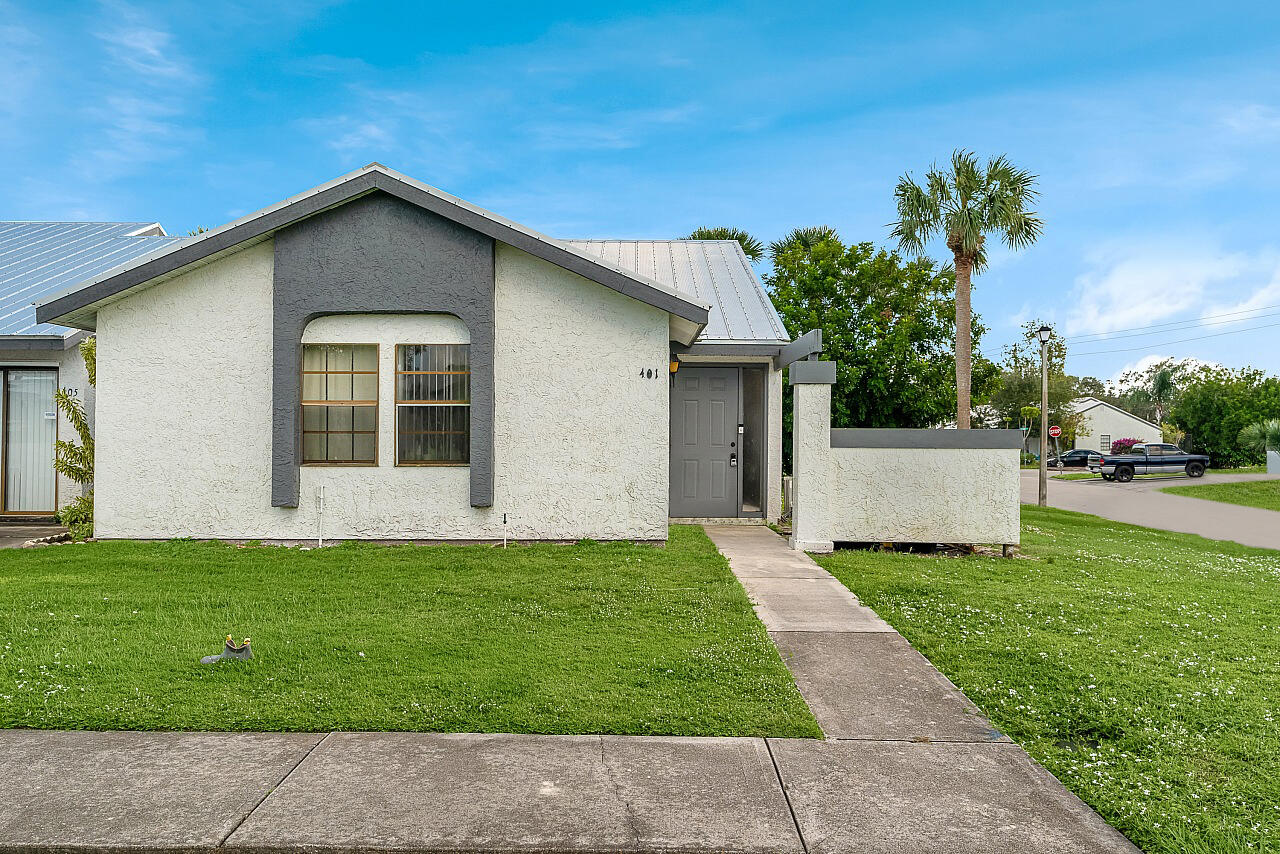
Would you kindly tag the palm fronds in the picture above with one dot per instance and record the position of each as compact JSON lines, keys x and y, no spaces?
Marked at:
{"x":751,"y":247}
{"x":1263,"y":436}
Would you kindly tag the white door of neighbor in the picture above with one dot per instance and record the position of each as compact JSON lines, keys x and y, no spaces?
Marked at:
{"x":30,"y":429}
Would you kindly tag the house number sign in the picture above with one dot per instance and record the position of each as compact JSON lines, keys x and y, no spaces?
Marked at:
{"x":649,"y":373}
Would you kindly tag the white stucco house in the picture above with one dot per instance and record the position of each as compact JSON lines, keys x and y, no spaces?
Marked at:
{"x":38,"y":259}
{"x":377,"y":359}
{"x":1102,"y":423}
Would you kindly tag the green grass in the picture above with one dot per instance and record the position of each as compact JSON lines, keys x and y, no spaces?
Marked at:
{"x":1140,"y":667}
{"x":1256,"y":493}
{"x":590,"y":638}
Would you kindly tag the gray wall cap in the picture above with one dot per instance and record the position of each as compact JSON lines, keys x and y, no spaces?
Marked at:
{"x":812,"y":373}
{"x":875,"y":437}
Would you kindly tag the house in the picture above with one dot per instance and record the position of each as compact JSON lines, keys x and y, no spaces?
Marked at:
{"x":1101,"y":423}
{"x":377,"y":359}
{"x":38,"y":259}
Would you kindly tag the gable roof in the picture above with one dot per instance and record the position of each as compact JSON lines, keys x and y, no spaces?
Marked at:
{"x":711,"y":271}
{"x":79,"y":306}
{"x":39,"y":259}
{"x":1082,"y":405}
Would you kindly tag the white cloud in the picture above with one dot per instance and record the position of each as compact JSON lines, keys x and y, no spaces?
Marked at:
{"x":1151,"y":359}
{"x":1265,"y":297}
{"x":1253,"y":120}
{"x":146,"y":86}
{"x":1129,"y":286}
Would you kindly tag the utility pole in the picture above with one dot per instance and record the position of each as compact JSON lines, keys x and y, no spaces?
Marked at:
{"x":1044,"y":333}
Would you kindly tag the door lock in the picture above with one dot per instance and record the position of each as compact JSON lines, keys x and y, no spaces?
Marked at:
{"x":733,"y":461}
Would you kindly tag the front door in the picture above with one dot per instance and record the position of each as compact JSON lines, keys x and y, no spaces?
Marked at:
{"x":704,"y":442}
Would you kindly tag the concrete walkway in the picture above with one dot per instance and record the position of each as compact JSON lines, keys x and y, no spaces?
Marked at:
{"x":1140,"y":502}
{"x":909,"y":764}
{"x":13,"y":536}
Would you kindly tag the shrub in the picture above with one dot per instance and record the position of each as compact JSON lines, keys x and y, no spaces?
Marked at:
{"x":77,"y":517}
{"x":1123,"y":446}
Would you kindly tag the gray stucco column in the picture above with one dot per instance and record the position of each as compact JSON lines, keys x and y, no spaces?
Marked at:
{"x":811,"y":455}
{"x":378,"y":254}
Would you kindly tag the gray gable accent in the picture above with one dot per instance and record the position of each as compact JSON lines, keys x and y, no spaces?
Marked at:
{"x":78,"y":307}
{"x":379,"y":254}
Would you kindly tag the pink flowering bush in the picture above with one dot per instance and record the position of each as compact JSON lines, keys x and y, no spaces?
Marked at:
{"x":1124,"y":446}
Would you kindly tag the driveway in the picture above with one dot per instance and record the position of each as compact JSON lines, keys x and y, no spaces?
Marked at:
{"x":13,"y":536}
{"x":1140,"y":502}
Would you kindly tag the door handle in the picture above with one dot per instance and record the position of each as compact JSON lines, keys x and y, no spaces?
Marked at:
{"x":733,"y":461}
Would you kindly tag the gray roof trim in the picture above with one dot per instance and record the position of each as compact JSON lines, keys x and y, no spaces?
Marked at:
{"x":876,"y":437}
{"x":42,"y":342}
{"x":69,"y":308}
{"x":728,"y":348}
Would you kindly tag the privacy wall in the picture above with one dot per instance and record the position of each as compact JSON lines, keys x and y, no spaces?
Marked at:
{"x":902,"y":486}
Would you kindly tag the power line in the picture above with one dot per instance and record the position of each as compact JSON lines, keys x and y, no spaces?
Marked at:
{"x":1196,"y":325}
{"x":1193,"y":322}
{"x":1177,"y":341}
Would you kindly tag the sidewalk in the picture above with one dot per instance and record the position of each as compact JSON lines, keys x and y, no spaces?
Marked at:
{"x":909,"y":763}
{"x":909,"y":766}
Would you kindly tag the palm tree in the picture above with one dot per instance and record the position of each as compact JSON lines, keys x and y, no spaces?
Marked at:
{"x":1161,"y":392}
{"x":1262,"y":437}
{"x":806,"y":238}
{"x":753,"y":248}
{"x":964,"y":205}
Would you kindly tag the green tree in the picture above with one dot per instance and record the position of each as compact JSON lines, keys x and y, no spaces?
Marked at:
{"x":1018,"y":387}
{"x":963,"y":205}
{"x":888,"y":324}
{"x":752,"y":247}
{"x":1216,"y":404}
{"x":1262,"y":436}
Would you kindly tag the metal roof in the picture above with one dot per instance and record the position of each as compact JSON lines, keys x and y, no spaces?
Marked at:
{"x":710,"y":271}
{"x":39,"y":259}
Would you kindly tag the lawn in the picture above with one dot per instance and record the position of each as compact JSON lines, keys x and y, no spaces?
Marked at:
{"x":1255,"y":493}
{"x":589,"y":638}
{"x":1140,"y":667}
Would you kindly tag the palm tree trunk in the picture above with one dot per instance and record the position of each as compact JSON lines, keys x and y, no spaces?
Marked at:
{"x":964,"y":340}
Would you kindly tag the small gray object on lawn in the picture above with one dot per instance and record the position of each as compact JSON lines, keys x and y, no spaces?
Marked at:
{"x":231,"y":652}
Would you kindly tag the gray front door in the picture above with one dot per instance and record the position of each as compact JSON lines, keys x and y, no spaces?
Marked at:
{"x":704,"y":442}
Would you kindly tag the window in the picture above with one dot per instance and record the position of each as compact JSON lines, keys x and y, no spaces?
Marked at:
{"x":1154,"y":450}
{"x":340,"y":404}
{"x":1105,"y":444}
{"x":433,"y":404}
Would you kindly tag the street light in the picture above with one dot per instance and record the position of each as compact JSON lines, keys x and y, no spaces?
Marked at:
{"x":1044,"y":333}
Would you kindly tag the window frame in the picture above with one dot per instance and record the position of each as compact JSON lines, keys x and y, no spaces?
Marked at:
{"x":397,"y":403}
{"x":375,"y":403}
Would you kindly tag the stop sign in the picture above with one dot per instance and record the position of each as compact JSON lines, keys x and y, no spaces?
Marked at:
{"x":1055,"y":431}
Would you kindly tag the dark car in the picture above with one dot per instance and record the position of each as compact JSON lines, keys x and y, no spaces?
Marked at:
{"x":1150,"y":458}
{"x":1072,"y":459}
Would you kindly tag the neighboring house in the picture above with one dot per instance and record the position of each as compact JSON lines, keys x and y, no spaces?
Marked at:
{"x":1101,"y":424}
{"x":377,"y":359}
{"x":38,"y":259}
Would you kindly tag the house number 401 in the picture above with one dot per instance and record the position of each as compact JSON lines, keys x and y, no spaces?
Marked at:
{"x":649,"y":373}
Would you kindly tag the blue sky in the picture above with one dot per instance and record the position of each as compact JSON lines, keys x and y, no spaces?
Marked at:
{"x":1155,"y":129}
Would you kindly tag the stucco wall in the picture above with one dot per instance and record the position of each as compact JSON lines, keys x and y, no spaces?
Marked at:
{"x":924,"y":495}
{"x":184,"y":435}
{"x":1102,"y":420}
{"x":72,"y":374}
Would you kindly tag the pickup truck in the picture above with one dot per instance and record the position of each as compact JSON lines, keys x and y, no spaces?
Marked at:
{"x":1149,"y":458}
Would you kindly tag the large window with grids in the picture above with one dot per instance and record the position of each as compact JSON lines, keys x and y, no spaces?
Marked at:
{"x":433,"y":404}
{"x":340,"y":404}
